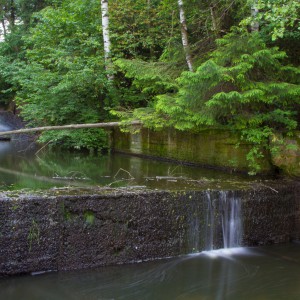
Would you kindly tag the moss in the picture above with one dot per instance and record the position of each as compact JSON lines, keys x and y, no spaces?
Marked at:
{"x":210,"y":147}
{"x":33,"y":235}
{"x":287,"y":156}
{"x":89,"y":217}
{"x":15,"y":207}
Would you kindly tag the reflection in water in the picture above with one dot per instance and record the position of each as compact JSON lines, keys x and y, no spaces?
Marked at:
{"x":234,"y":274}
{"x":22,"y":166}
{"x":5,"y":148}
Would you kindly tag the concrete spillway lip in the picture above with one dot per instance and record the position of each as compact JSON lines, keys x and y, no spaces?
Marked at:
{"x":273,"y":186}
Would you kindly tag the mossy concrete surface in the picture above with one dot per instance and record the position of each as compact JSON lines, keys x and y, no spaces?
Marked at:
{"x":210,"y":148}
{"x":287,"y":158}
{"x":80,"y":230}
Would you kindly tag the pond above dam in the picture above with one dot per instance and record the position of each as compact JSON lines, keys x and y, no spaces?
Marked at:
{"x":24,"y":166}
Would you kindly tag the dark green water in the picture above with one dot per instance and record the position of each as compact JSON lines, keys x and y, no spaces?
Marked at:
{"x":247,"y":273}
{"x":23,"y":166}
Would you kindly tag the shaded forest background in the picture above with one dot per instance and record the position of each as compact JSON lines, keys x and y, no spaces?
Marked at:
{"x":245,"y":57}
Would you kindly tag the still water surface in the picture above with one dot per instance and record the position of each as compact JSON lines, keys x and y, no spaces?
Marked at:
{"x":235,"y":274}
{"x":24,"y":166}
{"x":246,"y":273}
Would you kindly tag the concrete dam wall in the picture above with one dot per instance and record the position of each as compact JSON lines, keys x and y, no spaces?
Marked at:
{"x":213,"y":148}
{"x":88,"y":229}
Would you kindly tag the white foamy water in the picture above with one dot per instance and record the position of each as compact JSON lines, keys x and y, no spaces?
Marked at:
{"x":227,"y":252}
{"x":231,"y":220}
{"x":217,"y":223}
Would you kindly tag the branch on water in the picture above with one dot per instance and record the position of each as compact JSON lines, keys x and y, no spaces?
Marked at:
{"x":71,"y":127}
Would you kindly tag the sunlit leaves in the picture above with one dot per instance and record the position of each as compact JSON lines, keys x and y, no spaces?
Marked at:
{"x":278,"y":15}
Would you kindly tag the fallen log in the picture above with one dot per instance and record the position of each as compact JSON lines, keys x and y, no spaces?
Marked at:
{"x":70,"y":127}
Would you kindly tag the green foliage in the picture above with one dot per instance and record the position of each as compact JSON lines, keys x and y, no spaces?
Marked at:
{"x":52,"y":65}
{"x":150,"y":78}
{"x":279,"y":25}
{"x":80,"y":139}
{"x":244,"y":86}
{"x":63,"y":80}
{"x":26,"y":8}
{"x":142,"y":82}
{"x":139,"y":28}
{"x":277,"y":16}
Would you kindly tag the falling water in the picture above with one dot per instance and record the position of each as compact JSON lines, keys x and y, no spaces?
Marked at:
{"x":209,"y":224}
{"x":215,"y":221}
{"x":230,"y":207}
{"x":194,"y":232}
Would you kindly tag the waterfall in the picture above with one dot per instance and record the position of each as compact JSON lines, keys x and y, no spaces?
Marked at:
{"x":215,"y":221}
{"x":209,"y":224}
{"x":230,"y":209}
{"x":194,"y":234}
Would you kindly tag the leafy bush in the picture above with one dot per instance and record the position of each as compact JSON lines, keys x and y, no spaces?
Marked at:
{"x":244,"y":87}
{"x":80,"y":139}
{"x":63,"y":80}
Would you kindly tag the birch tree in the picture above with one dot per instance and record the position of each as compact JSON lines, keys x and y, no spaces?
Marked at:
{"x":106,"y":38}
{"x":254,"y":12}
{"x":184,"y":36}
{"x":3,"y":25}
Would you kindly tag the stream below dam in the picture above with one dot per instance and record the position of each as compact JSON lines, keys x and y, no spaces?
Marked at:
{"x":267,"y":273}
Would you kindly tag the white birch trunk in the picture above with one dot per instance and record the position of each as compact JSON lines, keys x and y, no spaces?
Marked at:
{"x":3,"y":28}
{"x":254,"y":12}
{"x":184,"y":36}
{"x":213,"y":19}
{"x":106,"y":38}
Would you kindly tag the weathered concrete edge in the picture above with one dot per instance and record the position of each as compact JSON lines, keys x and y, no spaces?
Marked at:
{"x":209,"y":148}
{"x":86,"y":231}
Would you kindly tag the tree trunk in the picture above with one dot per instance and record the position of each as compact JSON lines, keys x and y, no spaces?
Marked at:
{"x":254,"y":12}
{"x":106,"y":38}
{"x":72,"y":126}
{"x":151,"y":52}
{"x":3,"y":27}
{"x":214,"y":21}
{"x":12,"y":14}
{"x":184,"y":36}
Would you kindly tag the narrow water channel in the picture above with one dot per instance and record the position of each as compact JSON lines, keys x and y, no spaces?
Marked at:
{"x":240,"y":273}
